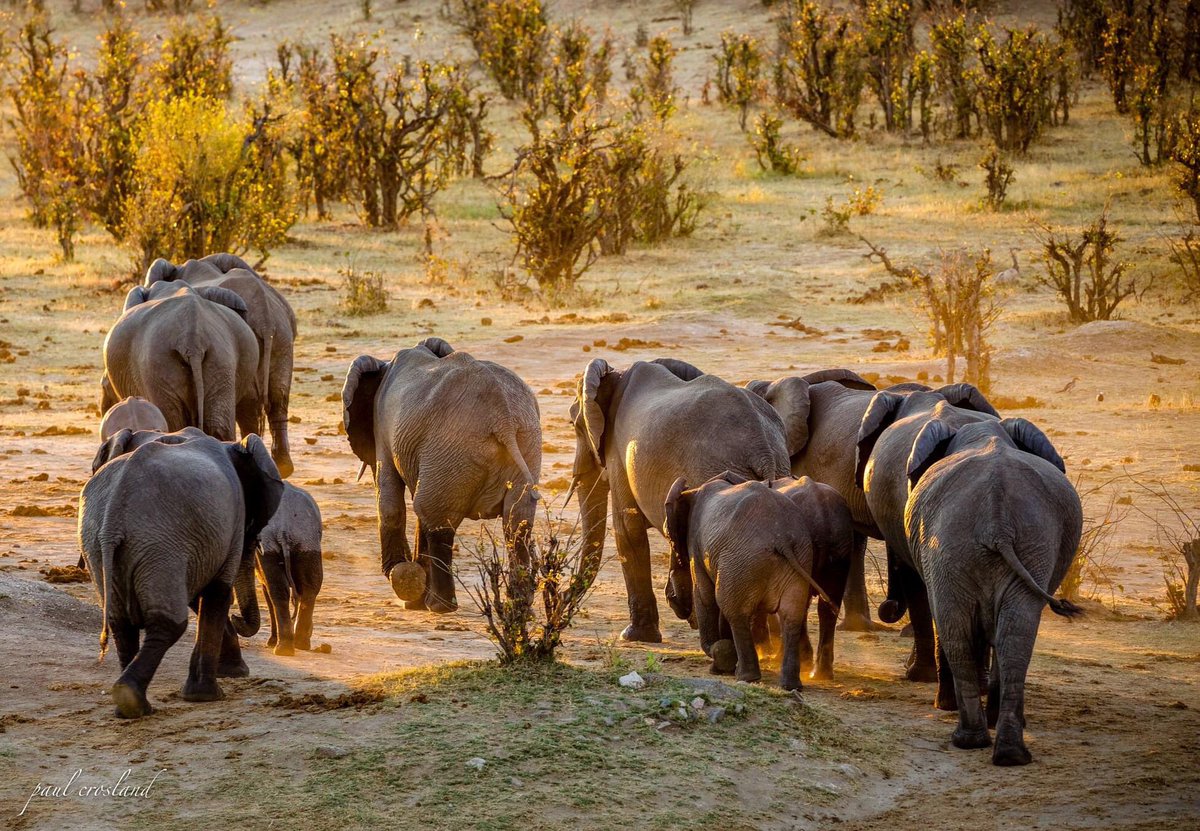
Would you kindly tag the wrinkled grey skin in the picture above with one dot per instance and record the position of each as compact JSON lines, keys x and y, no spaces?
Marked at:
{"x":269,"y":316}
{"x":463,"y":435}
{"x":248,"y":621}
{"x":133,"y":413}
{"x":189,"y":352}
{"x":885,"y":438}
{"x":636,"y":432}
{"x":992,"y":524}
{"x":751,"y":548}
{"x":165,"y":528}
{"x":290,"y":568}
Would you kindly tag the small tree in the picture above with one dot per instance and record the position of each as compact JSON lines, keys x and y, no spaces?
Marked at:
{"x":1083,"y":272}
{"x":655,"y":84}
{"x":1017,"y":86}
{"x":771,"y":151}
{"x":959,"y":301}
{"x":998,"y":174}
{"x":1185,"y":153}
{"x":818,"y":74}
{"x":888,"y":49}
{"x":194,"y":60}
{"x":950,"y":41}
{"x":739,"y":70}
{"x":511,"y":39}
{"x":1181,"y":534}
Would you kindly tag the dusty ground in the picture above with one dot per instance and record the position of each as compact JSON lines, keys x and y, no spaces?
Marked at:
{"x":1114,"y":705}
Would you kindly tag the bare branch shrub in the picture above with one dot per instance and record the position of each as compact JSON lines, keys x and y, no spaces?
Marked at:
{"x":1092,"y":557}
{"x":528,"y":607}
{"x":739,"y":73}
{"x":1180,"y":533}
{"x":1083,"y":272}
{"x":960,"y":302}
{"x":1018,"y":80}
{"x":362,"y":291}
{"x":888,"y":49}
{"x":1185,"y":153}
{"x":1185,"y":253}
{"x":998,"y":174}
{"x":771,"y":151}
{"x":654,"y":85}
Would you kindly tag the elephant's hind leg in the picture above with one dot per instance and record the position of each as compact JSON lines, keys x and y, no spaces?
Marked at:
{"x":435,"y":551}
{"x":922,"y":665}
{"x":231,"y":664}
{"x":747,"y":654}
{"x":201,"y":684}
{"x":129,"y":693}
{"x":959,"y":659}
{"x":1016,"y":631}
{"x":389,"y":497}
{"x":792,"y":625}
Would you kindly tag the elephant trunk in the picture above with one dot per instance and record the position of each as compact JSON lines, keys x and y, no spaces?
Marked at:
{"x":592,"y":489}
{"x":247,"y":622}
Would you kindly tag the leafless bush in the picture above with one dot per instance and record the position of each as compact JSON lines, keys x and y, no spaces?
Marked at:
{"x":1180,"y":533}
{"x":960,"y":302}
{"x":528,"y":607}
{"x":1185,"y":253}
{"x":1092,"y":560}
{"x":362,"y":291}
{"x":1083,"y":272}
{"x":998,"y":174}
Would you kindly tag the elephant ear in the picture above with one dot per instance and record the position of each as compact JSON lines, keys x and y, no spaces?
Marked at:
{"x":226,"y":263}
{"x":909,"y":386}
{"x":358,"y":405}
{"x":595,"y":394}
{"x":967,"y":397}
{"x":680,"y":369}
{"x":437,"y":346}
{"x":116,"y":445}
{"x":159,"y":271}
{"x":223,"y":297}
{"x":788,"y":397}
{"x":848,"y":379}
{"x":880,"y":414}
{"x":928,"y":448}
{"x":678,"y":508}
{"x":1032,"y":440}
{"x":262,"y":487}
{"x":136,"y":297}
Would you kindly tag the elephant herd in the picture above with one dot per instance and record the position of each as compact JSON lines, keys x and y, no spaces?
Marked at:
{"x":766,"y":493}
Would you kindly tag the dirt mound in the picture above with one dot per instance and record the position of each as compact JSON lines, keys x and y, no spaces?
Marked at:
{"x":1126,"y":336}
{"x":24,"y":602}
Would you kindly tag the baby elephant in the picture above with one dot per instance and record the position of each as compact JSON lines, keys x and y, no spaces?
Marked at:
{"x":760,"y":547}
{"x":132,"y":413}
{"x":289,"y":566}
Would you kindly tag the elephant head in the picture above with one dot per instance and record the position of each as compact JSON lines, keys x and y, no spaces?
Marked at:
{"x":889,"y":406}
{"x":678,"y":508}
{"x":160,"y":289}
{"x":934,"y":442}
{"x":358,"y":406}
{"x":789,"y":397}
{"x":262,"y":489}
{"x":160,"y":270}
{"x":126,"y":441}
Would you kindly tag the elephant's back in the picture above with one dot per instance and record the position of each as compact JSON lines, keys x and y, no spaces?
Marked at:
{"x":298,"y":519}
{"x":749,"y":518}
{"x":829,"y":455}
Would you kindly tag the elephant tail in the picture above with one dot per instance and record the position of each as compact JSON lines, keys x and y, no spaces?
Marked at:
{"x":509,"y":441}
{"x":796,"y":561}
{"x":1058,"y":605}
{"x":108,"y":548}
{"x":195,"y":363}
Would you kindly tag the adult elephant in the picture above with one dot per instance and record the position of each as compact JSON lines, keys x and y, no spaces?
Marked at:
{"x":131,"y":413}
{"x":164,"y":528}
{"x":993,"y":524}
{"x":248,"y":621}
{"x":189,"y":352}
{"x":636,"y":432}
{"x":824,"y":410}
{"x":269,"y":316}
{"x":463,"y":435}
{"x":885,"y":440}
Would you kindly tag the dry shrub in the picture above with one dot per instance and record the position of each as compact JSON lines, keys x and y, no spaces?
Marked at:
{"x":1180,"y":533}
{"x":194,"y":60}
{"x":888,"y":47}
{"x":998,"y":175}
{"x":510,"y":37}
{"x":771,"y":151}
{"x":1092,"y":560}
{"x":685,"y":9}
{"x":1185,"y":153}
{"x":362,"y":291}
{"x":528,"y":606}
{"x":304,"y":76}
{"x":862,"y":202}
{"x":204,"y":181}
{"x":950,"y":42}
{"x":575,"y":80}
{"x":959,"y":300}
{"x":1083,"y":272}
{"x":654,"y":82}
{"x":1185,"y":253}
{"x":1017,"y":85}
{"x":739,"y":73}
{"x":818,"y":75}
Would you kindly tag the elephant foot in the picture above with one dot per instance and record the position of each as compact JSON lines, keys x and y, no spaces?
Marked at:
{"x":860,"y":623}
{"x":945,"y":700}
{"x":131,"y":702}
{"x":822,"y":673}
{"x":970,"y":739}
{"x":890,"y":611}
{"x":271,"y":641}
{"x":304,"y":644}
{"x":790,"y":684}
{"x":749,"y":676}
{"x":206,"y":690}
{"x":724,"y":657}
{"x":233,"y":669}
{"x":642,"y":633}
{"x":921,"y":673}
{"x":441,"y":606}
{"x":1011,"y":755}
{"x":415,"y":606}
{"x":285,"y":650}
